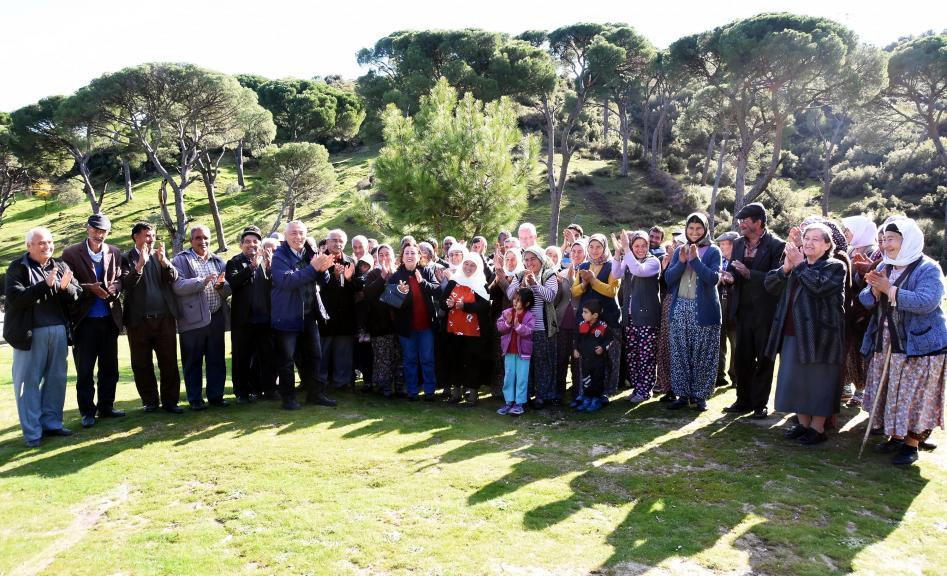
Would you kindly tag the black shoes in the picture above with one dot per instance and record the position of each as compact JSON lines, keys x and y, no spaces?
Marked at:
{"x":219,"y":403}
{"x":811,"y":437}
{"x":760,"y":414}
{"x":669,"y":397}
{"x":906,"y":456}
{"x":796,"y":432}
{"x":175,"y":409}
{"x":736,"y":408}
{"x":111,"y":413}
{"x":322,"y":400}
{"x":57,"y":432}
{"x":149,"y":407}
{"x":677,"y":404}
{"x":88,"y":421}
{"x":198,"y":406}
{"x":889,"y":446}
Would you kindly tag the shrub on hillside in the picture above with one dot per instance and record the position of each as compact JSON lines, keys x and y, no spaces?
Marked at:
{"x":580,"y":179}
{"x":693,"y":199}
{"x":932,"y":205}
{"x":787,"y":206}
{"x":70,"y":193}
{"x":726,"y":198}
{"x":878,"y":205}
{"x":855,"y":181}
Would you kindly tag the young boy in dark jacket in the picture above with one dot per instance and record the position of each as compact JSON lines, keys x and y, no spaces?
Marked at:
{"x":592,"y":338}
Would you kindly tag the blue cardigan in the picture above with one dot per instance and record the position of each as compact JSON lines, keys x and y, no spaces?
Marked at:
{"x":707,"y":269}
{"x":919,"y":299}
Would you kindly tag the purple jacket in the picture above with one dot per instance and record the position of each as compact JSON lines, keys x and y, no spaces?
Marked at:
{"x":524,"y":333}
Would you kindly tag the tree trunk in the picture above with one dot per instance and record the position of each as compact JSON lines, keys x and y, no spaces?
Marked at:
{"x":210,"y":177}
{"x":292,"y":211}
{"x":87,"y":184}
{"x":623,"y":132}
{"x":761,"y":183}
{"x":710,"y":155}
{"x":829,"y":149}
{"x":127,"y":174}
{"x":238,"y":156}
{"x":739,"y":184}
{"x":656,"y":137}
{"x":165,"y":215}
{"x":282,"y":210}
{"x":716,"y":189}
{"x":645,"y":134}
{"x":605,"y":121}
{"x":178,"y":189}
{"x":550,"y":117}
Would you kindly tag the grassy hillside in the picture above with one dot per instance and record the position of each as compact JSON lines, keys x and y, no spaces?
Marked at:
{"x":595,"y":197}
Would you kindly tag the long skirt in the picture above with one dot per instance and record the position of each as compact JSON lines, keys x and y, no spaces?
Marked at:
{"x":542,"y":366}
{"x":914,"y":403}
{"x":640,"y":357}
{"x":565,"y":343}
{"x":694,"y":352}
{"x":663,"y":384}
{"x":387,"y":375}
{"x":613,"y":368}
{"x":810,"y":389}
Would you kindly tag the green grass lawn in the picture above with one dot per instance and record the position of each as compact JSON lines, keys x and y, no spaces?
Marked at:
{"x":391,"y":487}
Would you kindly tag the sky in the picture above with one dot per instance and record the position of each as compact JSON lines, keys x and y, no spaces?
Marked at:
{"x":50,"y":47}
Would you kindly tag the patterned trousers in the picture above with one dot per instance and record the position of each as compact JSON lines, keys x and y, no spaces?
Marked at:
{"x":640,"y":357}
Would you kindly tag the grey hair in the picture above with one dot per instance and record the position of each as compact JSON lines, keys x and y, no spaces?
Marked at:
{"x":338,"y":232}
{"x":33,"y":231}
{"x":298,"y":223}
{"x":270,"y":242}
{"x":361,"y":238}
{"x":527,"y":226}
{"x":198,"y":227}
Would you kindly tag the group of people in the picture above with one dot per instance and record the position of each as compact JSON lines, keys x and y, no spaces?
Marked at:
{"x":852,"y":311}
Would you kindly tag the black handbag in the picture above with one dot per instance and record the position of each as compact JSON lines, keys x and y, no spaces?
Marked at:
{"x":393,"y":297}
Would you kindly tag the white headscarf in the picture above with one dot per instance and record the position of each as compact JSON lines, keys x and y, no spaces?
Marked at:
{"x":518,"y":267}
{"x":476,"y":281}
{"x":864,"y":231}
{"x":912,"y":242}
{"x":456,"y":247}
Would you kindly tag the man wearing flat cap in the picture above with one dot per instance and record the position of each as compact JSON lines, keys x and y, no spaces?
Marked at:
{"x":248,"y":274}
{"x":97,"y":320}
{"x":755,"y":252}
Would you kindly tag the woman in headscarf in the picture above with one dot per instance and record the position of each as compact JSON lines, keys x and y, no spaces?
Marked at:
{"x":692,"y":277}
{"x":467,"y":304}
{"x":507,"y":263}
{"x":662,"y":383}
{"x":807,"y":332}
{"x":566,"y":316}
{"x":541,"y":278}
{"x":907,"y":339}
{"x":595,"y":281}
{"x":387,"y":376}
{"x":862,"y":236}
{"x":641,"y":310}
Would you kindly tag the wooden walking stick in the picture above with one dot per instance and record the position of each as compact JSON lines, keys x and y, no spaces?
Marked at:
{"x":882,"y":384}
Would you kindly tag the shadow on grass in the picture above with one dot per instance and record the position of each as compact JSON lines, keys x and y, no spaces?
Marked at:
{"x":710,"y":489}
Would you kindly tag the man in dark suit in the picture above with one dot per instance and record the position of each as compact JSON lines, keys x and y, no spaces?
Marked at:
{"x":150,"y":319}
{"x":755,"y":253}
{"x":248,"y":274}
{"x":337,"y":332}
{"x":97,"y":320}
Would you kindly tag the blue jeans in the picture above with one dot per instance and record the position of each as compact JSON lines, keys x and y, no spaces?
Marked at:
{"x":419,"y":348}
{"x":39,"y":381}
{"x":202,"y":346}
{"x":515,"y":379}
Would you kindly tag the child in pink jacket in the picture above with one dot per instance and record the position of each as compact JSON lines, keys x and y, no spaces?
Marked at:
{"x":515,"y":326}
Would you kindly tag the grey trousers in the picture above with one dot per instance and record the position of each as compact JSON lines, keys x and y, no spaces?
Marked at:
{"x":39,"y":381}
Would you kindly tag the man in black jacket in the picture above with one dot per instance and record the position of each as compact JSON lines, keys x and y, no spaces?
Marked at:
{"x":337,"y":333}
{"x":755,"y":253}
{"x":246,"y":273}
{"x":38,"y":290}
